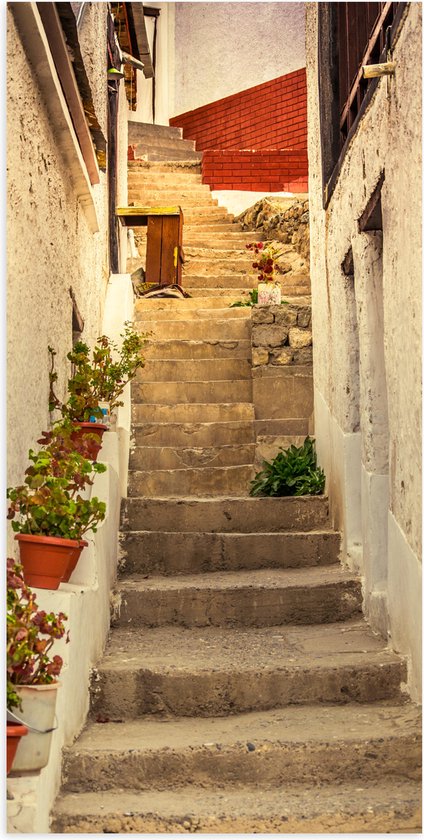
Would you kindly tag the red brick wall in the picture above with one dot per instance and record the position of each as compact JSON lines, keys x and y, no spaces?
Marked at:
{"x":271,"y":116}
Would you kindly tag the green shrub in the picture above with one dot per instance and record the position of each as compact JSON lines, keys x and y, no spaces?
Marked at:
{"x":293,"y":472}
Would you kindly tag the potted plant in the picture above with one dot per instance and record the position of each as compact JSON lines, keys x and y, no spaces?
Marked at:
{"x":32,"y":671}
{"x":51,"y":514}
{"x":97,"y":382}
{"x":269,"y":291}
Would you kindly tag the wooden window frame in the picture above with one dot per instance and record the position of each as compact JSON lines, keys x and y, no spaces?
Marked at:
{"x":332,"y":151}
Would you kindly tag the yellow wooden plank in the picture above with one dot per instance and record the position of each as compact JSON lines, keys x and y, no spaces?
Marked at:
{"x":148,"y":211}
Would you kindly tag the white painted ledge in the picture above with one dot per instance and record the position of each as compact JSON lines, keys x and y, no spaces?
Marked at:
{"x":37,"y":49}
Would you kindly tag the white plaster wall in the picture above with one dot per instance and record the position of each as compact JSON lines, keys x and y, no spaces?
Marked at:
{"x":223,"y":48}
{"x":50,"y":247}
{"x":236,"y":201}
{"x":165,"y":81}
{"x":388,"y":136}
{"x":85,"y":600}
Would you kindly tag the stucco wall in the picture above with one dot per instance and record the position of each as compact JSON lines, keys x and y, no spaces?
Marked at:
{"x":223,"y":48}
{"x":49,"y":248}
{"x":351,"y":353}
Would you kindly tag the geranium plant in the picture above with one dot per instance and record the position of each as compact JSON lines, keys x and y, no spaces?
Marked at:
{"x":99,"y":376}
{"x":266,"y":262}
{"x":50,"y":503}
{"x":31,"y":634}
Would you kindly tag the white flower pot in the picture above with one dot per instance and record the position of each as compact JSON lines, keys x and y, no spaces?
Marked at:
{"x":38,"y":714}
{"x":269,"y":294}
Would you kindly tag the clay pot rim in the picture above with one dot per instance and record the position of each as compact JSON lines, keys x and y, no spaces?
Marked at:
{"x":85,"y":424}
{"x":40,"y":538}
{"x":16,"y":730}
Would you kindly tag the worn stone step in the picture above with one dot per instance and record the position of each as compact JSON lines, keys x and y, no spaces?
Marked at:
{"x":285,"y":426}
{"x":210,"y":671}
{"x":160,"y":141}
{"x":198,"y":311}
{"x":169,"y":553}
{"x":210,"y":228}
{"x":142,"y":305}
{"x":180,"y":349}
{"x":198,"y":481}
{"x":223,"y":283}
{"x":378,"y":808}
{"x":224,"y":328}
{"x":214,"y":266}
{"x":167,"y":154}
{"x":229,"y":295}
{"x":193,"y":434}
{"x":141,"y":129}
{"x":181,"y":456}
{"x":178,"y":184}
{"x":169,"y":199}
{"x":183,"y":167}
{"x":195,"y":413}
{"x":245,"y":515}
{"x":196,"y":215}
{"x":194,"y":370}
{"x":167,"y":393}
{"x":267,"y":749}
{"x":254,"y":598}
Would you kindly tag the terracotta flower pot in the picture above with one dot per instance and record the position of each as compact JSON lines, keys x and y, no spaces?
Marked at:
{"x":46,"y":560}
{"x":15,"y":731}
{"x":82,"y":429}
{"x":74,"y":559}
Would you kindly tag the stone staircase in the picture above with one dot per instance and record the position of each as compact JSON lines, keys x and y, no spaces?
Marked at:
{"x":241,"y":690}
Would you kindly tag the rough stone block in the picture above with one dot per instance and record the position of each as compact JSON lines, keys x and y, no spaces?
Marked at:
{"x":284,"y":357}
{"x":286,"y":316}
{"x":271,"y":335}
{"x":260,"y":356}
{"x":303,"y":356}
{"x":304,"y":317}
{"x":262,"y":315}
{"x":299,"y":338}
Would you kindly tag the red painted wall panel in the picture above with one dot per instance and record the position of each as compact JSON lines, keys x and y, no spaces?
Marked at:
{"x":255,"y":139}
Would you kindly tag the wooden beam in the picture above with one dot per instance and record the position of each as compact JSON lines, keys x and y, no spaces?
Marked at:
{"x":57,"y":44}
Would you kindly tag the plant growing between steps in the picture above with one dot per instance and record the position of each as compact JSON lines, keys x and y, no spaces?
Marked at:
{"x":293,"y":472}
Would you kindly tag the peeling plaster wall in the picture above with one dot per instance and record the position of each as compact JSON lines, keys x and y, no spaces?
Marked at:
{"x":373,"y":463}
{"x":49,"y":248}
{"x":223,"y":48}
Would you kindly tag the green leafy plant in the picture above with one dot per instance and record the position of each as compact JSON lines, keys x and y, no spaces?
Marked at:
{"x":293,"y":472}
{"x":99,"y":378}
{"x":50,"y":503}
{"x":253,"y":298}
{"x":31,"y":634}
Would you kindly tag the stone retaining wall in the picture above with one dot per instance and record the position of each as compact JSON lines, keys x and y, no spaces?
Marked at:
{"x":281,"y":335}
{"x":276,"y":220}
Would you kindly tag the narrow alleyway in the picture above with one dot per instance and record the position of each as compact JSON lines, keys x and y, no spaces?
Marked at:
{"x":241,"y":690}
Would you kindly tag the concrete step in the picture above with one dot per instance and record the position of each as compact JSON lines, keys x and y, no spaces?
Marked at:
{"x":140,"y":195}
{"x":219,"y":265}
{"x":207,"y":282}
{"x":142,"y":305}
{"x":193,"y":434}
{"x":169,"y":179}
{"x":245,"y":515}
{"x":181,"y":456}
{"x":167,"y":154}
{"x":137,"y":129}
{"x":266,"y":749}
{"x":194,"y":370}
{"x":200,"y":481}
{"x":384,"y":807}
{"x":196,"y":413}
{"x":198,"y":311}
{"x":258,"y":598}
{"x":184,"y":189}
{"x":229,"y":295}
{"x":170,"y":167}
{"x":211,"y":349}
{"x":161,"y":141}
{"x":169,"y":552}
{"x":210,"y":228}
{"x":211,"y":671}
{"x":222,"y":329}
{"x":169,"y":393}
